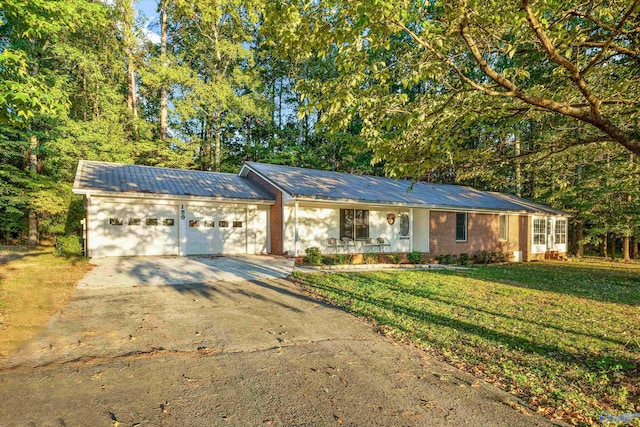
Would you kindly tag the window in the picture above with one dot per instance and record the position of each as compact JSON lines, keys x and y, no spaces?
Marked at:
{"x":194,"y":223}
{"x":168,"y":222}
{"x":346,"y":223}
{"x":354,"y":223}
{"x":362,"y":224}
{"x":237,"y":224}
{"x":404,"y":225}
{"x":134,"y":221}
{"x":115,"y":221}
{"x":223,"y":224}
{"x":539,"y":231}
{"x":461,"y":227}
{"x":503,"y":227}
{"x":561,"y":231}
{"x":151,"y":221}
{"x":209,"y":223}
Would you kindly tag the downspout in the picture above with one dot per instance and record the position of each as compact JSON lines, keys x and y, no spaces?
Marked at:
{"x":295,"y":232}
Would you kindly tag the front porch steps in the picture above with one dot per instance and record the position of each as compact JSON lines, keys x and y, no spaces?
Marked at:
{"x":555,"y":256}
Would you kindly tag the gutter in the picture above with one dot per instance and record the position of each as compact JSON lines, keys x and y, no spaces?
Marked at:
{"x":446,"y":208}
{"x":134,"y":195}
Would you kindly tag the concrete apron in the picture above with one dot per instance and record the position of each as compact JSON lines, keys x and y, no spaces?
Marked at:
{"x":157,"y":271}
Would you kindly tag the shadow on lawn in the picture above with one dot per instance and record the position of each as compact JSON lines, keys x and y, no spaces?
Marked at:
{"x":13,"y":253}
{"x":605,"y":285}
{"x":426,"y":294}
{"x":589,"y":361}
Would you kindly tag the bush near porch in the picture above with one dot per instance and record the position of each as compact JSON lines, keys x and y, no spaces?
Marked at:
{"x":565,"y":337}
{"x":317,"y":258}
{"x":314,"y":256}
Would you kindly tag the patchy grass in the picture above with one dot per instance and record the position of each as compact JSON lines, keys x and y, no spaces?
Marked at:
{"x":565,"y":337}
{"x":34,"y":285}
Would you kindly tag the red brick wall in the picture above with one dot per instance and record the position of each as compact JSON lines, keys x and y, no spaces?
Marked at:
{"x":275,"y":220}
{"x":525,"y":237}
{"x":482,"y":234}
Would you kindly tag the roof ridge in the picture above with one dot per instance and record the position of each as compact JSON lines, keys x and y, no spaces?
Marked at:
{"x":157,"y":167}
{"x":417,"y":181}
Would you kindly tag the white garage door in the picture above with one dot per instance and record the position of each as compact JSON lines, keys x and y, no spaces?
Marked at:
{"x":126,"y":230}
{"x":216,"y":230}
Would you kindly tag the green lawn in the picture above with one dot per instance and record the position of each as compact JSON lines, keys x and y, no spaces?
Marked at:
{"x":563,"y":336}
{"x":34,"y":285}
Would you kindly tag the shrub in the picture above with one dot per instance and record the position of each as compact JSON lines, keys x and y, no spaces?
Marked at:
{"x":499,"y":257}
{"x":463,"y":259}
{"x":394,"y":258}
{"x":343,"y":259}
{"x":328,"y":260}
{"x":445,"y":259}
{"x":68,"y":245}
{"x":482,"y":257}
{"x":314,"y":256}
{"x":371,"y":258}
{"x":487,"y":257}
{"x":414,"y":257}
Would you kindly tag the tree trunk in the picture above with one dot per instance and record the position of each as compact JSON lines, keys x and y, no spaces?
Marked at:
{"x":218,"y":153}
{"x":604,"y":243}
{"x":249,"y":141}
{"x":206,"y":145}
{"x":132,"y":99}
{"x":128,"y":16}
{"x":33,"y":167}
{"x":634,"y":247}
{"x":626,"y":240}
{"x":518,"y":168}
{"x":580,"y":239}
{"x":612,"y":247}
{"x":164,"y":37}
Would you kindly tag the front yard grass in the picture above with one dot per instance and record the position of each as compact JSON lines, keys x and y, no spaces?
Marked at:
{"x":565,"y":337}
{"x":34,"y":285}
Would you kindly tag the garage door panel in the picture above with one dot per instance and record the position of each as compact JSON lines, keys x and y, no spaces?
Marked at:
{"x":215,"y":230}
{"x":233,"y":235}
{"x":200,"y":231}
{"x":129,"y":230}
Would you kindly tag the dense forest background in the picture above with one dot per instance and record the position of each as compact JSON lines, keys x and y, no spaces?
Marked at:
{"x":539,"y":100}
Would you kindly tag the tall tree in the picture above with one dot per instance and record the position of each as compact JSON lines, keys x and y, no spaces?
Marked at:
{"x":164,"y":98}
{"x":215,"y":38}
{"x":422,"y":75}
{"x":130,"y":42}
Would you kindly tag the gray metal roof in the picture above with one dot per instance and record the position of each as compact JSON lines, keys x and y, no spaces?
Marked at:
{"x":327,"y":185}
{"x":113,"y":177}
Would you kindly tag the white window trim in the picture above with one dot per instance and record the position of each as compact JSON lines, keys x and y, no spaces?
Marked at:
{"x":533,"y":231}
{"x":506,"y":238}
{"x":564,"y":234}
{"x":466,"y":227}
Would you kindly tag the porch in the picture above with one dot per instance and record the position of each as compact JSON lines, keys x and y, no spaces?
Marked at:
{"x":354,"y":228}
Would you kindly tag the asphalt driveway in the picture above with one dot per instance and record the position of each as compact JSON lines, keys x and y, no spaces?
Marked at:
{"x":144,"y":345}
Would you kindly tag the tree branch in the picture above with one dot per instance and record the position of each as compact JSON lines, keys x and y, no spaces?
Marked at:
{"x":574,"y":73}
{"x":615,"y":47}
{"x":608,"y":43}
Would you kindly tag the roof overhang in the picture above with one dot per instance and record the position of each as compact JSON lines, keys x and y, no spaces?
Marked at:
{"x":383,"y":204}
{"x":186,"y":198}
{"x":244,"y":171}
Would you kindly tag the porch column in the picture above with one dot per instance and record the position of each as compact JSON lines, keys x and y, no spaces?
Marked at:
{"x":295,"y":228}
{"x":410,"y":229}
